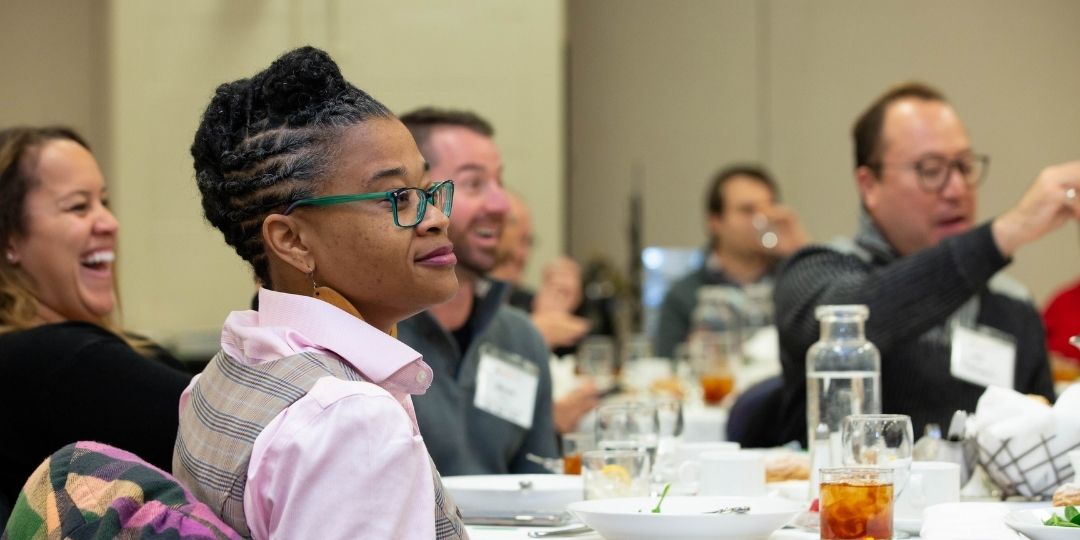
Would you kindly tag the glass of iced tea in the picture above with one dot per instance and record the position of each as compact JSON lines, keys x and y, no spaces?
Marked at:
{"x":573,"y":446}
{"x":856,"y":503}
{"x":711,"y":355}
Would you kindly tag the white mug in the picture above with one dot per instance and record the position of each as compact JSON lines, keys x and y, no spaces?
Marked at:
{"x":930,"y":483}
{"x":691,"y":451}
{"x":724,"y":472}
{"x":704,"y":424}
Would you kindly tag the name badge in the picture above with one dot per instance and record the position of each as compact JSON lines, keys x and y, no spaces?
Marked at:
{"x":983,"y":356}
{"x":506,"y":386}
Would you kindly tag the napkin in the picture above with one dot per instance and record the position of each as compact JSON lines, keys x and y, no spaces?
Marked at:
{"x":970,"y":521}
{"x":1004,"y":413}
{"x":1006,"y":417}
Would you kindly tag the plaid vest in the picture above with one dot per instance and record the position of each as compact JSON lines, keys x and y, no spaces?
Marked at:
{"x":231,"y":404}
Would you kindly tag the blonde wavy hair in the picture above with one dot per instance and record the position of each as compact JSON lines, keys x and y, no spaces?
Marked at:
{"x":18,"y":148}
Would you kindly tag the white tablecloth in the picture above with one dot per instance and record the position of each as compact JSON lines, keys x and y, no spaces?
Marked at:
{"x":949,"y":521}
{"x":522,"y":533}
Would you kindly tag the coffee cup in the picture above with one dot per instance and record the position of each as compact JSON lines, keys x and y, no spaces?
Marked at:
{"x":726,"y":472}
{"x":930,"y":483}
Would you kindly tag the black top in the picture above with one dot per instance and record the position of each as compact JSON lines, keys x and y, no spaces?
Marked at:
{"x":912,"y":302}
{"x":73,"y":381}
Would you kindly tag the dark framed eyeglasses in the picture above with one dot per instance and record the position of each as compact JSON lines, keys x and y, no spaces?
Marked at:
{"x":934,"y":171}
{"x":409,"y":204}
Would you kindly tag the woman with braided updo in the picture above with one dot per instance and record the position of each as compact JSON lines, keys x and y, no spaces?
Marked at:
{"x":303,"y":425}
{"x":67,"y":370}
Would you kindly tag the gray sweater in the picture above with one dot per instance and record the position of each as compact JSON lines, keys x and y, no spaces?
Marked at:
{"x":913,"y":302}
{"x":461,"y":438}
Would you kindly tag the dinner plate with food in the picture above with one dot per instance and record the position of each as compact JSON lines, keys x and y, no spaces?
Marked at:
{"x":1050,"y":523}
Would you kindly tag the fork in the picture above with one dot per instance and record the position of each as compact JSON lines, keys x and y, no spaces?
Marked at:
{"x":729,"y":510}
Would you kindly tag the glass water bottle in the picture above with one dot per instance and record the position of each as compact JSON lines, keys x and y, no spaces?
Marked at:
{"x":843,"y":377}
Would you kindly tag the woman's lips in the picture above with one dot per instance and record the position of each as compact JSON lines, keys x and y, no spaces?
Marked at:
{"x":443,"y":256}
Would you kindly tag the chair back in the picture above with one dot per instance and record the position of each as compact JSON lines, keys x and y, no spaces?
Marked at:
{"x":91,"y":490}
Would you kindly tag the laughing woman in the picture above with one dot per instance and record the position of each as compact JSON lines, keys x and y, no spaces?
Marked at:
{"x":303,"y":425}
{"x":67,"y":373}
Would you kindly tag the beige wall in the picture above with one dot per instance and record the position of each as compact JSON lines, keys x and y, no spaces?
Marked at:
{"x":684,"y":86}
{"x":136,"y":75}
{"x":53,"y":68}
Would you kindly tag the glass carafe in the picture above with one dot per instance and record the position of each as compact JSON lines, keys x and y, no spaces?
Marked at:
{"x":843,"y":377}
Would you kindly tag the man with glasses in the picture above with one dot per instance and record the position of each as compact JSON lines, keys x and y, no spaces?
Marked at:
{"x":489,"y":406}
{"x":946,"y":322}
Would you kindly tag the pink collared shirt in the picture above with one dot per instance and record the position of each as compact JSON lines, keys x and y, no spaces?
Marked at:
{"x":347,"y":459}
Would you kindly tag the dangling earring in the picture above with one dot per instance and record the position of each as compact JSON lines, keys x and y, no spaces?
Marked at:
{"x":332,"y":297}
{"x":314,"y":286}
{"x":11,"y":259}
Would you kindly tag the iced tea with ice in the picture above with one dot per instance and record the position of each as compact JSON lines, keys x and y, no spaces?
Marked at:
{"x":572,"y":463}
{"x":716,"y":386}
{"x":856,"y":503}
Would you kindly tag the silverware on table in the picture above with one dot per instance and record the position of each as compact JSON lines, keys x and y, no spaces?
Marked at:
{"x":730,"y":510}
{"x":572,"y":531}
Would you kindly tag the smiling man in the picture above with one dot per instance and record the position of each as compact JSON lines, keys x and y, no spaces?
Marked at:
{"x":489,"y":405}
{"x":946,"y":322}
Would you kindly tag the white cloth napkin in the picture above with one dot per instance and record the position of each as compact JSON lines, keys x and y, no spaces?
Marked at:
{"x":1006,"y":416}
{"x":970,"y":521}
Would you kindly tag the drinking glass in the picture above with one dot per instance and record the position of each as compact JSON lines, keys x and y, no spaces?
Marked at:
{"x":596,"y":358}
{"x":711,"y":356}
{"x":879,"y":440}
{"x":856,"y":503}
{"x":628,"y":426}
{"x":766,"y":232}
{"x":615,"y":473}
{"x":574,"y":446}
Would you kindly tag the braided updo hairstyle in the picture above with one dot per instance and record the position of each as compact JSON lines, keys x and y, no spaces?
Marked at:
{"x":269,"y":140}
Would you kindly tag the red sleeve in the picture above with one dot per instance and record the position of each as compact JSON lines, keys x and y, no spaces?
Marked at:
{"x":1062,"y":321}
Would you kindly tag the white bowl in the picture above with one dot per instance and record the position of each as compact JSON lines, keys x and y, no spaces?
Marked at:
{"x":684,"y":518}
{"x":1030,"y":524}
{"x":506,"y":493}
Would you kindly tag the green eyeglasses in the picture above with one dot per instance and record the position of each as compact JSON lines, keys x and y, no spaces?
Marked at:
{"x":409,"y":204}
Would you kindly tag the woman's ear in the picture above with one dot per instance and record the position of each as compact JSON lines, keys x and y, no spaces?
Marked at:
{"x":283,"y":238}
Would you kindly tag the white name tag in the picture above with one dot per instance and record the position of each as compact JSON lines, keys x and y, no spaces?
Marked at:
{"x":506,"y":386}
{"x":983,"y":356}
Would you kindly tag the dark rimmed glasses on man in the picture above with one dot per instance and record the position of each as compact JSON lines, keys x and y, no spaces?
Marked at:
{"x":934,"y":171}
{"x":409,"y":204}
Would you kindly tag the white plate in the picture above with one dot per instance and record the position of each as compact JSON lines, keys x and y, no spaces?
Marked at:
{"x":684,"y":518}
{"x":1030,"y":523}
{"x":498,"y":493}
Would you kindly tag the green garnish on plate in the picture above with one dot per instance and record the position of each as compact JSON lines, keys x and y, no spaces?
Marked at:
{"x":1071,"y":519}
{"x":664,"y":494}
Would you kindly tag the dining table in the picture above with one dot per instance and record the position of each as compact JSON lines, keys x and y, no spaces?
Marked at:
{"x":982,"y":519}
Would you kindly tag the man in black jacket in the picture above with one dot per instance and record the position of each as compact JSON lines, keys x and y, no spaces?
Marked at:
{"x":946,"y":322}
